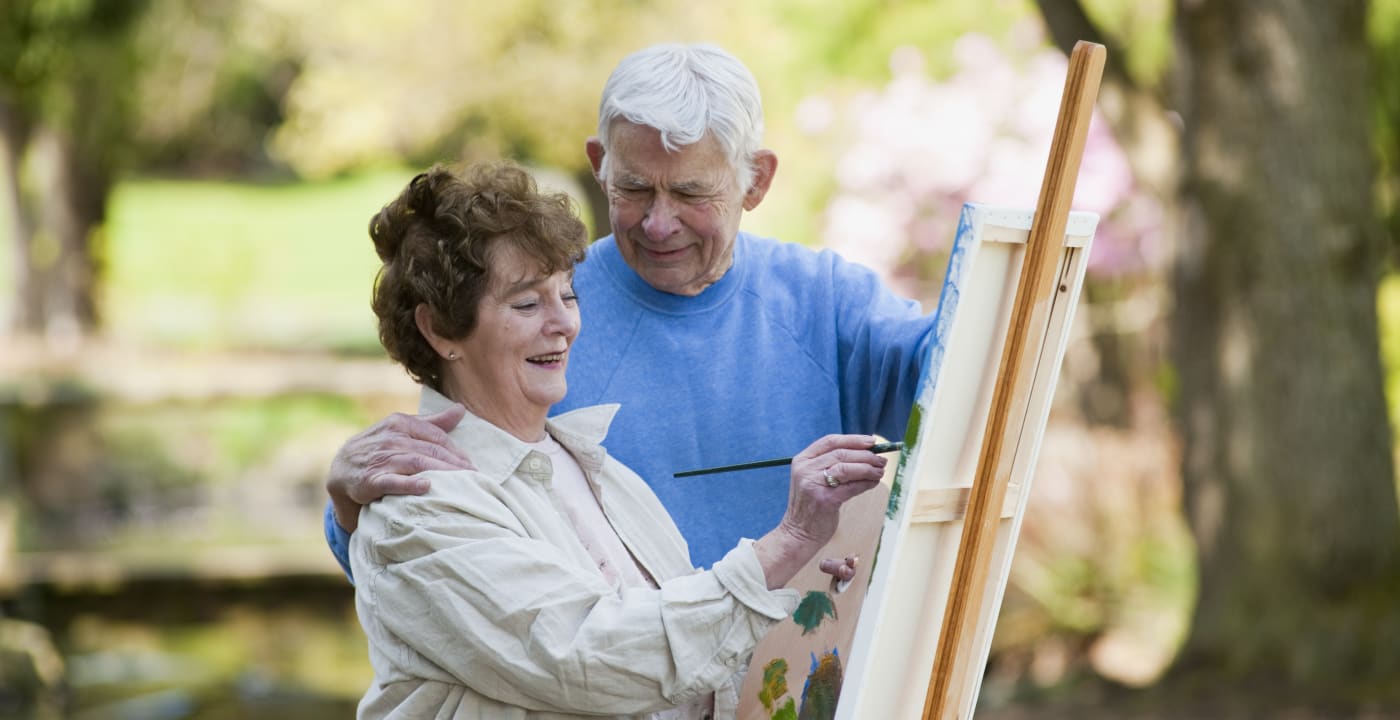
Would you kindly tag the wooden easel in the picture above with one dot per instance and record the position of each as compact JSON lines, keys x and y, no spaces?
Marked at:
{"x":964,"y":580}
{"x":1029,"y":321}
{"x":958,"y":494}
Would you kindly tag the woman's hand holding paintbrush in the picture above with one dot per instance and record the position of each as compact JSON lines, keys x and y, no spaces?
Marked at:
{"x":841,"y":571}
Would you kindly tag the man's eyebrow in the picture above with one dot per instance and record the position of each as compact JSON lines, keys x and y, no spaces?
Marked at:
{"x":692,"y":187}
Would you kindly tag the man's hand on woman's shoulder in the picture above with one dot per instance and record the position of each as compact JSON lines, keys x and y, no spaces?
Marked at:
{"x":386,"y":458}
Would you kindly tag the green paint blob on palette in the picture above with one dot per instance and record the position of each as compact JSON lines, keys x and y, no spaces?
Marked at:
{"x":815,"y":607}
{"x":775,"y":686}
{"x":823,"y":688}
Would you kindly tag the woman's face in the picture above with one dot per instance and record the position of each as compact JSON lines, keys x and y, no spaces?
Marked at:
{"x":512,"y":365}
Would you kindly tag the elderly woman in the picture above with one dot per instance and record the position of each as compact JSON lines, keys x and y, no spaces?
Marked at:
{"x":548,"y":582}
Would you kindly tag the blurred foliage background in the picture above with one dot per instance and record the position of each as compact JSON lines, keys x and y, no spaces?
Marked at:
{"x":183,"y":203}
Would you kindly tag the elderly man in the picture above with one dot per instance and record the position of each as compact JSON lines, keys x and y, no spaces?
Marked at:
{"x":721,"y":347}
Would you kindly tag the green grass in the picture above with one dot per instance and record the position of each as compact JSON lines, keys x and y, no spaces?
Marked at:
{"x":221,"y":264}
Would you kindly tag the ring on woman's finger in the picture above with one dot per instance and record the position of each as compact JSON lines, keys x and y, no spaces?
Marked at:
{"x":830,"y":481}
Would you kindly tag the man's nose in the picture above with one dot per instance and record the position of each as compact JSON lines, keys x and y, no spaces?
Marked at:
{"x":662,"y":219}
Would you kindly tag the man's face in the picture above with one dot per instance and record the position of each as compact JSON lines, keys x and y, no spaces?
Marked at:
{"x":675,"y":215}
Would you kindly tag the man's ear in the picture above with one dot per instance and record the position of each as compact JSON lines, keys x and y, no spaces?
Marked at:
{"x":765,"y":166}
{"x":594,"y":148}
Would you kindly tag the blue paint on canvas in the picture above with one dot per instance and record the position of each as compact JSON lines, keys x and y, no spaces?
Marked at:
{"x":954,"y":279}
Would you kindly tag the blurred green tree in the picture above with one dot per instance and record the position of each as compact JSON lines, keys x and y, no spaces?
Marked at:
{"x":1289,"y":482}
{"x":92,"y":90}
{"x":65,"y":73}
{"x":464,"y":81}
{"x":213,"y":78}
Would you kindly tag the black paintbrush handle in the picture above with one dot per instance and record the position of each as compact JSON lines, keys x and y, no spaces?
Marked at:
{"x":877,"y":448}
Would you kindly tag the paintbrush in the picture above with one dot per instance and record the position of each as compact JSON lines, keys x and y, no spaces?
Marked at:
{"x":877,"y":448}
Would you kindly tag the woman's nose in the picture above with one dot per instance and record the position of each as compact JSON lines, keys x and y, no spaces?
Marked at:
{"x":563,"y":319}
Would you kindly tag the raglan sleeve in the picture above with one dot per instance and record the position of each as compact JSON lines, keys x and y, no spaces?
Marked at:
{"x":882,"y":345}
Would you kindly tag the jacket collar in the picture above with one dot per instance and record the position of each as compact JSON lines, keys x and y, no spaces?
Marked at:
{"x":498,"y":454}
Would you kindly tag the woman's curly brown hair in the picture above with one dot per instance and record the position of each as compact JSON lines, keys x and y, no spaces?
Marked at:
{"x":436,"y":242}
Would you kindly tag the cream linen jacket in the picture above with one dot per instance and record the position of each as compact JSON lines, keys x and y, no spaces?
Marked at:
{"x":479,"y":601}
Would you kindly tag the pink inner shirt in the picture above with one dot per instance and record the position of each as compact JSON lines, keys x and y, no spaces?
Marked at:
{"x":619,"y":568}
{"x":577,"y":500}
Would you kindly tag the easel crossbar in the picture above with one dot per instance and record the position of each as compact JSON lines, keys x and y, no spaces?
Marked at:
{"x":937,"y":505}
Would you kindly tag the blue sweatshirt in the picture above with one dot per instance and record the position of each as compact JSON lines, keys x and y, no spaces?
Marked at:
{"x":788,"y":346}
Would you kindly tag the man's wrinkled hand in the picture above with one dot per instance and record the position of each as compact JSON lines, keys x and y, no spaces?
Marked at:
{"x":386,"y":458}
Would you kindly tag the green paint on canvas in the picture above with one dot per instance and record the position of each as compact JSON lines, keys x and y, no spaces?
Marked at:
{"x":813,"y":610}
{"x":879,"y":543}
{"x":911,"y":439}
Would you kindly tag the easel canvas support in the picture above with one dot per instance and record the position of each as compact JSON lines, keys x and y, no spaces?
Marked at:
{"x":895,"y":641}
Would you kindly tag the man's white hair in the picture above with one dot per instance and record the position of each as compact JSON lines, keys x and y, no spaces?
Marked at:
{"x":684,"y":91}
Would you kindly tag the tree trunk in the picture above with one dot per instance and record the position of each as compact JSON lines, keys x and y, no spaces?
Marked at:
{"x":1150,"y":140}
{"x":597,"y":202}
{"x":1288,"y":478}
{"x":55,"y":203}
{"x":14,"y":137}
{"x":1146,"y":132}
{"x":73,"y":203}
